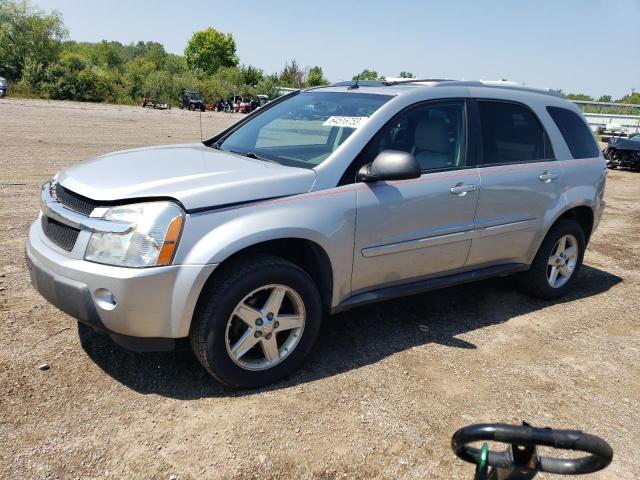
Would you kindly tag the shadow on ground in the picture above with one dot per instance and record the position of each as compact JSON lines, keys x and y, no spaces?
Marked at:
{"x":346,"y":341}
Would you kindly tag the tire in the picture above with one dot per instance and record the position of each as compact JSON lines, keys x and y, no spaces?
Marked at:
{"x":192,"y":107}
{"x":536,"y":281}
{"x":216,"y":329}
{"x":2,"y":93}
{"x":202,"y":108}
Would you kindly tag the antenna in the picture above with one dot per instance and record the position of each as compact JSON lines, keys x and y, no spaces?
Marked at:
{"x":201,"y":125}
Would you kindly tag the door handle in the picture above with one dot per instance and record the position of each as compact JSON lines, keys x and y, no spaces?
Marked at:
{"x":462,"y":189}
{"x":547,"y":177}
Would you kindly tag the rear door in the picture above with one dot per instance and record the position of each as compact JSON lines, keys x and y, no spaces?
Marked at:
{"x":415,"y":228}
{"x":521,"y":182}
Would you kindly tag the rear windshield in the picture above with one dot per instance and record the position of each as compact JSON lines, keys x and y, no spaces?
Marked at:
{"x":305,"y":129}
{"x":577,"y":135}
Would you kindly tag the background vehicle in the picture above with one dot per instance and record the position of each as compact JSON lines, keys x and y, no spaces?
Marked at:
{"x":236,"y":101}
{"x":263,"y":99}
{"x":623,"y":153}
{"x":521,"y":460}
{"x":249,"y":105}
{"x":155,"y":104}
{"x":611,"y":130}
{"x":251,"y":237}
{"x":191,"y":100}
{"x":4,"y":86}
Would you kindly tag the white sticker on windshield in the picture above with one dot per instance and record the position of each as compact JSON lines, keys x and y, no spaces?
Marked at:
{"x":349,"y":122}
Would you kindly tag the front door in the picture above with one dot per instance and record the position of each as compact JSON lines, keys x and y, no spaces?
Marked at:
{"x":410,"y":229}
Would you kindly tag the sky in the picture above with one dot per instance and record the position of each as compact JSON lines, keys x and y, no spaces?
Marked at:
{"x":580,"y":46}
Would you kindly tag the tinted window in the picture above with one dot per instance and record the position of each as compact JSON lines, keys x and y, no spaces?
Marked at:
{"x":575,"y":132}
{"x":511,"y":133}
{"x":435,"y":134}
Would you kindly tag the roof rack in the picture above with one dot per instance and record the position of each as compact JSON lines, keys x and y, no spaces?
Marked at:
{"x":417,"y":80}
{"x":499,"y":84}
{"x":444,"y":82}
{"x":362,"y":83}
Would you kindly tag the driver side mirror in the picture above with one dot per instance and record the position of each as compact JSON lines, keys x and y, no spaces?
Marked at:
{"x":390,"y":165}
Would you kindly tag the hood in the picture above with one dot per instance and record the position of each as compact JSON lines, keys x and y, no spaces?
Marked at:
{"x":194,"y":174}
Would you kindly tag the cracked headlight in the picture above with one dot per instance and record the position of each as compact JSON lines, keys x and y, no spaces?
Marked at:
{"x":152,"y":241}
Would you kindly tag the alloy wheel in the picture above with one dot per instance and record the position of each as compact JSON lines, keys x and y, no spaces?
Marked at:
{"x":265,"y":327}
{"x":562,"y":262}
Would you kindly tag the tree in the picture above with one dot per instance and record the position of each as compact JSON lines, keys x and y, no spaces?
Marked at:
{"x":633,"y":97}
{"x":30,"y":37}
{"x":315,"y":77}
{"x":367,"y":74}
{"x":605,"y":98}
{"x":269,"y":86}
{"x":407,"y":75}
{"x":292,"y":75}
{"x":210,"y":50}
{"x":252,"y":75}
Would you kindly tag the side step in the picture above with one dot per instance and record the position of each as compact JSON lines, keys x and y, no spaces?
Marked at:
{"x":421,"y":286}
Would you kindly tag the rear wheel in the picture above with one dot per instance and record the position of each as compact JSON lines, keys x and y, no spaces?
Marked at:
{"x":557,"y":263}
{"x":192,"y":107}
{"x":257,"y":322}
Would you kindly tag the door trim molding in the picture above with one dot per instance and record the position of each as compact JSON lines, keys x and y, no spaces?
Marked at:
{"x":424,"y":242}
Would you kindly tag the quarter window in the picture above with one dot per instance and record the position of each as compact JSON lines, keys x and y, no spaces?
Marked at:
{"x":576,"y":134}
{"x":511,"y":133}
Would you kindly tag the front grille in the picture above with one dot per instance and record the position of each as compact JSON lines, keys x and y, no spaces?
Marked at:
{"x":60,"y":234}
{"x":74,"y":201}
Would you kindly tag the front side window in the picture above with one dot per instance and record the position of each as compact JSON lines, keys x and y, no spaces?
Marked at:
{"x":304,"y":130}
{"x":434,"y":133}
{"x":579,"y":138}
{"x":511,"y":133}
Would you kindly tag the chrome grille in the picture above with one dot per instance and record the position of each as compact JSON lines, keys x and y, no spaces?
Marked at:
{"x":60,"y":234}
{"x":74,"y":201}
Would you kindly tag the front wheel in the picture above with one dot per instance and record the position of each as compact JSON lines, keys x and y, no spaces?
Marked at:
{"x":557,"y":263}
{"x":256,"y":322}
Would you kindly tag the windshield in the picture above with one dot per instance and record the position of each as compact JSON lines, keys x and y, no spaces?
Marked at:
{"x":305,"y":129}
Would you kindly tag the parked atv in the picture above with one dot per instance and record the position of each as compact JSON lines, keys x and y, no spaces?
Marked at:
{"x":191,"y":100}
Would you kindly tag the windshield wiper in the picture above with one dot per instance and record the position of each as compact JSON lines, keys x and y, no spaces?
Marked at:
{"x":253,"y":155}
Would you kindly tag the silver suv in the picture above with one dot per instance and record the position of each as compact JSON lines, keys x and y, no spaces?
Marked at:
{"x":323,"y":200}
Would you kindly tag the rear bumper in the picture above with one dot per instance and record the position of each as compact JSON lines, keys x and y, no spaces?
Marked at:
{"x":152,"y":305}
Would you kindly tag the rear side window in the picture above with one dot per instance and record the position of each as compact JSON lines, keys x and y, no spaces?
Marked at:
{"x":511,"y":133}
{"x":575,"y":132}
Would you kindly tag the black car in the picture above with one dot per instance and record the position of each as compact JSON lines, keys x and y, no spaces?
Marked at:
{"x":192,"y":101}
{"x":623,"y":153}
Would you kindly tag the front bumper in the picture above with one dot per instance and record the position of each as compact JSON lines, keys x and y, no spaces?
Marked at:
{"x":151,"y":304}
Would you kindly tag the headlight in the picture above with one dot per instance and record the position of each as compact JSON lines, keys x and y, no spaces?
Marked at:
{"x":152,"y":242}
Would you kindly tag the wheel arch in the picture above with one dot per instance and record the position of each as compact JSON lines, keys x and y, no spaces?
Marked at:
{"x":583,"y":215}
{"x":306,"y":254}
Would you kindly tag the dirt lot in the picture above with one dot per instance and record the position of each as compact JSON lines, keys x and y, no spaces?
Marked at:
{"x":381,"y":394}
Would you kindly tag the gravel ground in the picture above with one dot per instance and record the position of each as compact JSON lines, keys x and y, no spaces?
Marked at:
{"x":379,"y":397}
